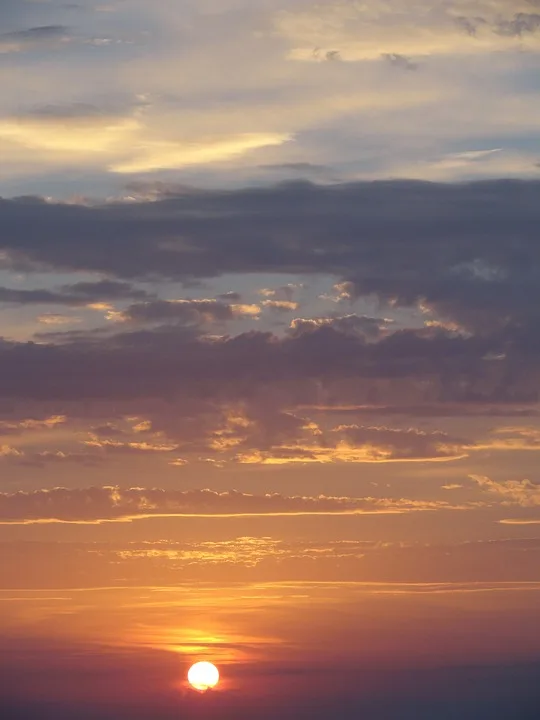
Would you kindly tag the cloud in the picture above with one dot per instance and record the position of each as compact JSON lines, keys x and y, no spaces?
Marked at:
{"x":470,"y":25}
{"x":33,"y":38}
{"x":68,"y":137}
{"x":280,"y":306}
{"x":512,"y":438}
{"x":308,"y":368}
{"x":150,"y":155}
{"x":185,"y":312}
{"x":363,"y":33}
{"x":354,"y":325}
{"x":79,"y":294}
{"x":523,"y":493}
{"x":84,"y":112}
{"x":48,"y":457}
{"x":230,"y":296}
{"x":372,"y":568}
{"x":357,"y":444}
{"x":303,"y":168}
{"x":445,"y":409}
{"x":521,"y":24}
{"x":400,"y":61}
{"x":466,"y":276}
{"x":121,"y":137}
{"x":17,"y":427}
{"x":55,"y":319}
{"x":116,"y":504}
{"x":128,"y":447}
{"x":463,"y":269}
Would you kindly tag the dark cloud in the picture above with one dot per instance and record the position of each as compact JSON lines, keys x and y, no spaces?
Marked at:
{"x":328,"y":55}
{"x":184,"y":312}
{"x":230,"y":296}
{"x":332,"y":55}
{"x":77,"y":295}
{"x":390,"y":443}
{"x":321,"y":366}
{"x":470,"y":24}
{"x":519,"y":25}
{"x":27,"y":424}
{"x":32,"y":38}
{"x":251,"y":398}
{"x":105,"y":290}
{"x":297,"y":167}
{"x":466,"y":254}
{"x":433,"y":410}
{"x":151,"y":190}
{"x":400,"y":61}
{"x":355,"y":325}
{"x":108,"y":430}
{"x":467,"y":251}
{"x":114,"y":503}
{"x":516,"y":26}
{"x":48,"y":457}
{"x":81,"y":111}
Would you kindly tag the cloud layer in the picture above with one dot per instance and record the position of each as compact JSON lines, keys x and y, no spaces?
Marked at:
{"x":115,"y":504}
{"x":466,"y":254}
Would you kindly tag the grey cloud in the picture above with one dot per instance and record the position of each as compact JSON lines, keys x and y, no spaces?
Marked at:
{"x":104,"y":290}
{"x":354,"y":325}
{"x":183,"y":312}
{"x":48,"y":457}
{"x":519,"y":25}
{"x":468,"y":250}
{"x":333,"y":55}
{"x":297,"y":167}
{"x":17,"y":426}
{"x":34,"y":37}
{"x":113,"y":108}
{"x":400,"y":61}
{"x":114,"y":503}
{"x":429,"y":365}
{"x":75,"y":295}
{"x":430,"y":410}
{"x":230,"y":296}
{"x":470,"y":24}
{"x":328,"y":56}
{"x":402,"y":444}
{"x":516,"y":26}
{"x":146,"y":190}
{"x":468,"y":254}
{"x":354,"y":443}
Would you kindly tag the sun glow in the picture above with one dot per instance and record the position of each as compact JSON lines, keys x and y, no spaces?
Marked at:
{"x":203,"y":676}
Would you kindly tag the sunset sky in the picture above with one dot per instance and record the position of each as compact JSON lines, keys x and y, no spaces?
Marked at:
{"x":270,"y":359}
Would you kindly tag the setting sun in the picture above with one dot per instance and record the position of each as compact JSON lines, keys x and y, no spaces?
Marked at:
{"x":203,"y":676}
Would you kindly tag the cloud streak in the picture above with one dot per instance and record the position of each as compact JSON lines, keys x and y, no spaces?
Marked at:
{"x":113,"y":504}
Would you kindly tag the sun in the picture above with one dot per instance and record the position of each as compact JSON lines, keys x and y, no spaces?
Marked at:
{"x":203,"y":676}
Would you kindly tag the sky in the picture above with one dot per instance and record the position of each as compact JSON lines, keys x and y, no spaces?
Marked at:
{"x":269,"y":359}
